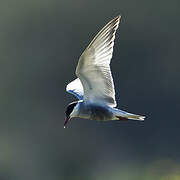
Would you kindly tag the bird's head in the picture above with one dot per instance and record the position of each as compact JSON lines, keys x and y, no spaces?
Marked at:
{"x":70,"y":112}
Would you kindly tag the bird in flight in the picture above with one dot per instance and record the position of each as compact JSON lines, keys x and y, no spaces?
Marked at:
{"x":94,"y":85}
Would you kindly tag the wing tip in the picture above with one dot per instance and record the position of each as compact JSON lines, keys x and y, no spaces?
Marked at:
{"x":117,"y":18}
{"x":116,"y":21}
{"x":67,"y":87}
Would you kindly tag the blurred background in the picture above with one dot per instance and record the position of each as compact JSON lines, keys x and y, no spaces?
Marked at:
{"x":40,"y":42}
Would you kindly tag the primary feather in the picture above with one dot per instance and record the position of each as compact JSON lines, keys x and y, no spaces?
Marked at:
{"x":93,"y":68}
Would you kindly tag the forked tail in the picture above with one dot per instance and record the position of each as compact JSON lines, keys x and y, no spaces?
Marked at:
{"x":122,"y":115}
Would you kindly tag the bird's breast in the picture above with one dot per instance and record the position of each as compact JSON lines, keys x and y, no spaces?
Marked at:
{"x":95,"y":112}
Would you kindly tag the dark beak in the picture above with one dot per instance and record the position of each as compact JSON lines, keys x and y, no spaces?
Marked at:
{"x":66,"y":121}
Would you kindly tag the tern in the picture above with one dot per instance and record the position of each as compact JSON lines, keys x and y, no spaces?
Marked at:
{"x":94,"y":85}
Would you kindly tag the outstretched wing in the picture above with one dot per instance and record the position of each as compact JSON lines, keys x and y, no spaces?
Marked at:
{"x":75,"y":87}
{"x":93,"y":68}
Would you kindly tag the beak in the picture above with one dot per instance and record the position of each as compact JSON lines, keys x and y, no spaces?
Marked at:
{"x":66,"y":121}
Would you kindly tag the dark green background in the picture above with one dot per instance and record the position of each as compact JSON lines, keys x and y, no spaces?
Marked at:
{"x":40,"y":42}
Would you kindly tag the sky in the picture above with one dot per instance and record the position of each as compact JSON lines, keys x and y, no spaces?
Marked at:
{"x":40,"y":43}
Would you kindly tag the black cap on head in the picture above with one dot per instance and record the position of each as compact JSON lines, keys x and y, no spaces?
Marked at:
{"x":70,"y":108}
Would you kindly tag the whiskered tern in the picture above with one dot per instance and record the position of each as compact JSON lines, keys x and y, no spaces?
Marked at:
{"x":94,"y":86}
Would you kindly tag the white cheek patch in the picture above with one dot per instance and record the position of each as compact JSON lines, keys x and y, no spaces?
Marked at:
{"x":75,"y":111}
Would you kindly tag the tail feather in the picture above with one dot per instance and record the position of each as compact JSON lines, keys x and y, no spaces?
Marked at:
{"x":122,"y":115}
{"x":136,"y":117}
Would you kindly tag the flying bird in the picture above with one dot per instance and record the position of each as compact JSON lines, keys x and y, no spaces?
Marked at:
{"x":94,"y":85}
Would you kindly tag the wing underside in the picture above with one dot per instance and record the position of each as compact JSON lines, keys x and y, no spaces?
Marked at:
{"x":94,"y":66}
{"x":75,"y":87}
